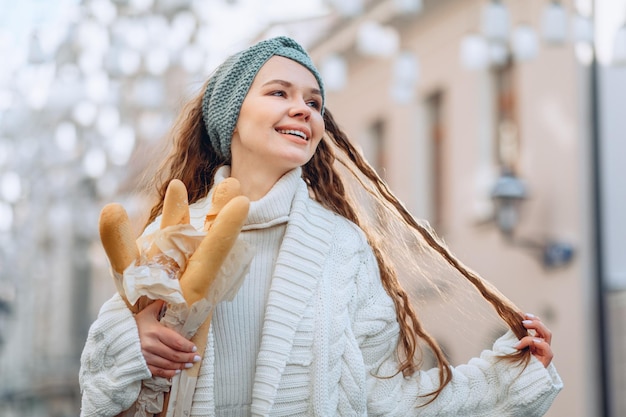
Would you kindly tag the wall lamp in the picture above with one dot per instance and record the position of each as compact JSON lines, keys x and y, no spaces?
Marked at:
{"x":508,"y":194}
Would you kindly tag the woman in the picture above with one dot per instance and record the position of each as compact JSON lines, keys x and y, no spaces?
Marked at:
{"x":321,"y":326}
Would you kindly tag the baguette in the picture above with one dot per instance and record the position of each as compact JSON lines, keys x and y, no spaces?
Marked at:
{"x":206,"y":261}
{"x":117,"y":237}
{"x":175,"y":211}
{"x":224,"y":192}
{"x":175,"y":205}
{"x":118,"y":240}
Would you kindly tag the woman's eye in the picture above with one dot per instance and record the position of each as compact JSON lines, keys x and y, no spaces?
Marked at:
{"x":278,"y":93}
{"x":315,"y":104}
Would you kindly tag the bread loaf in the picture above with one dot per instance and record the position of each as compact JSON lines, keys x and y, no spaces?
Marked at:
{"x":223,"y":193}
{"x":207,"y":260}
{"x":175,"y":205}
{"x":117,"y":237}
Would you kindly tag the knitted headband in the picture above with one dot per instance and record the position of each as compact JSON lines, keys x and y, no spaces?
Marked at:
{"x":231,"y":81}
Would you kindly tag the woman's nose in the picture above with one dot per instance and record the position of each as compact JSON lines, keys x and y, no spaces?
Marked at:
{"x":300,"y":109}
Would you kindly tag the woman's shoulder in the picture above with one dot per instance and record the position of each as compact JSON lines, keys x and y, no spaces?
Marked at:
{"x":344,"y":231}
{"x":324,"y":235}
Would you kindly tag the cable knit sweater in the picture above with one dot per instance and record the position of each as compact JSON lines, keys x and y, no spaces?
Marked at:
{"x":329,"y":330}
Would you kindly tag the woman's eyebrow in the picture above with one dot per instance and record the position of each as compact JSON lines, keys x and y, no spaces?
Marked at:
{"x":287,"y":84}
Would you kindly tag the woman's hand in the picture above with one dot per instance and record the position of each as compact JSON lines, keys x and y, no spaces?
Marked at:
{"x":165,"y":351}
{"x":539,"y":343}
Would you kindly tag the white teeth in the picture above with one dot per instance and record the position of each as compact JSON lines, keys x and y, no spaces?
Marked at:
{"x":294,"y":132}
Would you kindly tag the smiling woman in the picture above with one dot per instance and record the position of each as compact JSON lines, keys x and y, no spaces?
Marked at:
{"x":279,"y":127}
{"x":320,"y":325}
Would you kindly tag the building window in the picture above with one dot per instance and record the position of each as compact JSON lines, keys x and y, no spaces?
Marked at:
{"x":436,"y":136}
{"x":375,"y":147}
{"x":506,"y":143}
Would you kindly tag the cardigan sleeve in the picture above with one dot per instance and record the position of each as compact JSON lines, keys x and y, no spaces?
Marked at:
{"x":485,"y":386}
{"x":112,"y":365}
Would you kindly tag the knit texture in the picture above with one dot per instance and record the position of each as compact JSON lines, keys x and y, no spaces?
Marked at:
{"x":112,"y":366}
{"x":237,"y":325}
{"x":231,"y":81}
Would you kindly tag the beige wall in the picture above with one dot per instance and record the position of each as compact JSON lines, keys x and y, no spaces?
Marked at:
{"x":552,"y":137}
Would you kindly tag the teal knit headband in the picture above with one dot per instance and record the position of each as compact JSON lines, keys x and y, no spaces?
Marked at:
{"x":231,"y":81}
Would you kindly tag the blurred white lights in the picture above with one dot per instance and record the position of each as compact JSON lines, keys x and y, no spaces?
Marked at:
{"x":583,"y":35}
{"x":584,"y":7}
{"x":90,"y":61}
{"x":141,"y":5}
{"x":182,"y":29}
{"x":495,"y":21}
{"x":554,"y":23}
{"x":619,"y":47}
{"x":582,"y":29}
{"x":108,"y":120}
{"x":152,"y":125}
{"x":94,"y":163}
{"x":84,"y":113}
{"x":66,"y":136}
{"x":34,"y":84}
{"x":525,"y":44}
{"x":104,"y":11}
{"x":120,"y":145}
{"x":148,"y":92}
{"x":6,"y":217}
{"x":128,"y":61}
{"x":348,"y":8}
{"x":498,"y":53}
{"x":157,"y":29}
{"x":60,"y":216}
{"x":6,"y":99}
{"x":409,"y":6}
{"x":5,"y":151}
{"x":201,"y":9}
{"x":131,"y":32}
{"x":374,"y":39}
{"x":474,"y":52}
{"x":50,"y":38}
{"x":192,"y":58}
{"x":93,"y":37}
{"x":10,"y":187}
{"x":157,"y":61}
{"x":97,"y":86}
{"x":405,"y":77}
{"x":334,"y":71}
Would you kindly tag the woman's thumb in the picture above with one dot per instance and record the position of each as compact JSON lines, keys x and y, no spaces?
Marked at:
{"x":154,"y":308}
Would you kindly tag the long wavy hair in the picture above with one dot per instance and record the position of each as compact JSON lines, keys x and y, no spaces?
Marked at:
{"x":339,"y":178}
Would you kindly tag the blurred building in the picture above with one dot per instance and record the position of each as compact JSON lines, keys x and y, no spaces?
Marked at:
{"x":493,"y":121}
{"x":452,"y":101}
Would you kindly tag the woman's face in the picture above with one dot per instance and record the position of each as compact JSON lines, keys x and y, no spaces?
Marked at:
{"x":280,"y":122}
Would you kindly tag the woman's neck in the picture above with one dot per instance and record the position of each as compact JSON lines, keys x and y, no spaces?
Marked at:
{"x":255,"y":185}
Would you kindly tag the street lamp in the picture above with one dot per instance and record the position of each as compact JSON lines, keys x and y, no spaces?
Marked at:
{"x":508,"y":194}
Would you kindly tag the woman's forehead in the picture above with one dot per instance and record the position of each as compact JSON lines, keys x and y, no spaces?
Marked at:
{"x":284,"y":69}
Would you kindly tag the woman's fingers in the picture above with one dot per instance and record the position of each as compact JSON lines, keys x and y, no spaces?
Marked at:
{"x":165,"y":368}
{"x":538,"y":347}
{"x":532,"y":322}
{"x":163,"y":373}
{"x":539,"y":341}
{"x":164,"y":350}
{"x":155,"y":347}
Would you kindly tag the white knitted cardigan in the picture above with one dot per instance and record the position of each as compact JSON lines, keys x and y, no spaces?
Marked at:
{"x":330,"y":329}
